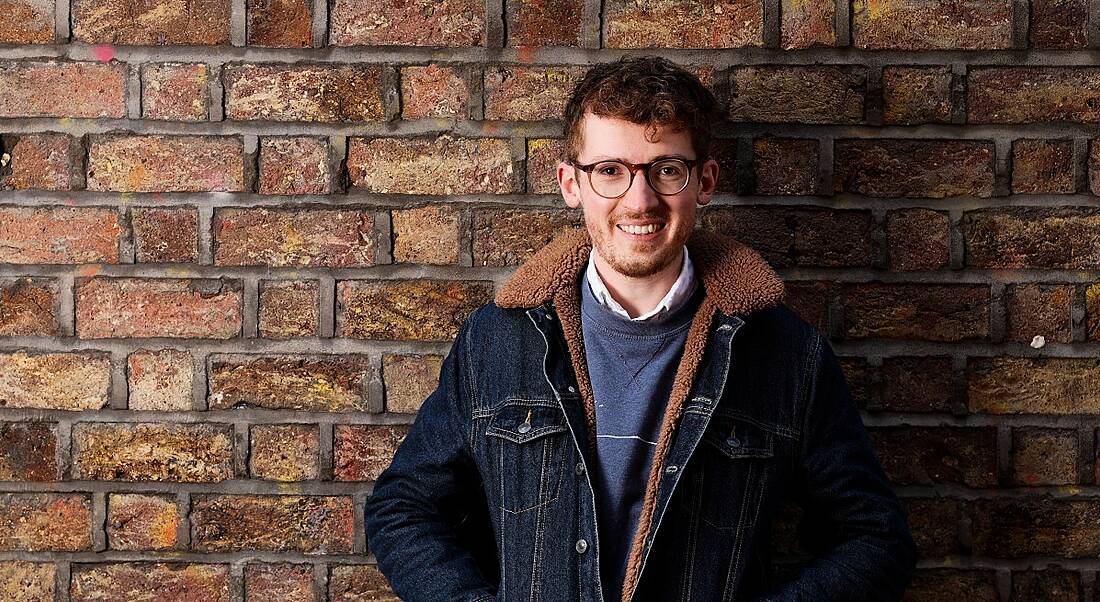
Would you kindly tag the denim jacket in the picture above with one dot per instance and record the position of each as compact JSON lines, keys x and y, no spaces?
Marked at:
{"x":489,"y":496}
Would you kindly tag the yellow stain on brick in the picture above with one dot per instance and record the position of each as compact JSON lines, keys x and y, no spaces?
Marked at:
{"x":289,"y":487}
{"x":1069,"y":490}
{"x":1092,"y":293}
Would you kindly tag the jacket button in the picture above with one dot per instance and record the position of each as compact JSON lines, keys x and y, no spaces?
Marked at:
{"x":579,"y":468}
{"x":582,"y":546}
{"x":733,"y":442}
{"x":672,"y":469}
{"x":523,"y":428}
{"x":571,"y":389}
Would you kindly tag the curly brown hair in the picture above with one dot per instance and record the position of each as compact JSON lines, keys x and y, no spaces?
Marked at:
{"x":646,"y":90}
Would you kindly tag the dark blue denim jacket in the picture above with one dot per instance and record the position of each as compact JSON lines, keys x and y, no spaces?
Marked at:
{"x":489,"y":498}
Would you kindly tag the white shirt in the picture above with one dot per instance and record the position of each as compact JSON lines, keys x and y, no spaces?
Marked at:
{"x":675,"y":297}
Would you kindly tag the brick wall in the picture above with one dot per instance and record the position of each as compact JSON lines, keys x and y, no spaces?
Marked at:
{"x":236,"y":239}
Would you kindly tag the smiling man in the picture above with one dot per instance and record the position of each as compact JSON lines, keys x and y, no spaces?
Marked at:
{"x":623,"y":421}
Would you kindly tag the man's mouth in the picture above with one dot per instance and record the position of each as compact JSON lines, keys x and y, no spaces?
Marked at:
{"x":641,"y":229}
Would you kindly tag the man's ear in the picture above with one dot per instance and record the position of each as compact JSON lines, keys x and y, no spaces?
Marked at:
{"x":708,"y":181}
{"x":570,"y":187}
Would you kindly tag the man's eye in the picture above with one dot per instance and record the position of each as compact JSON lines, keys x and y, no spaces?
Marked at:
{"x":609,"y":170}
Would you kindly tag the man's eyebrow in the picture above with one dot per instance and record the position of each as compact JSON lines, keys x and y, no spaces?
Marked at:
{"x":657,"y":158}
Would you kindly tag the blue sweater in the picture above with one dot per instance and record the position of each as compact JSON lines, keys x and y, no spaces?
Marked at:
{"x":631,"y":365}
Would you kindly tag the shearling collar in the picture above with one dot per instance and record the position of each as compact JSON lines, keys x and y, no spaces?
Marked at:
{"x":736,"y":278}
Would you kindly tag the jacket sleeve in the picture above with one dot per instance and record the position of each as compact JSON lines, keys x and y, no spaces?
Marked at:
{"x":417,"y":518}
{"x":852,"y":522}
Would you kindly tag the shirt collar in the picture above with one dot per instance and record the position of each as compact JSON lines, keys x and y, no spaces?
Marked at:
{"x":675,"y":297}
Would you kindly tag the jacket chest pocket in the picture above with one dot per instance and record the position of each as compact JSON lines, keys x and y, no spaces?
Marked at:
{"x":735,"y":460}
{"x":528,"y":440}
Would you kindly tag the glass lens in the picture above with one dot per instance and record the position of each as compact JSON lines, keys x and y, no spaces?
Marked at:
{"x":669,"y":176}
{"x":610,"y":178}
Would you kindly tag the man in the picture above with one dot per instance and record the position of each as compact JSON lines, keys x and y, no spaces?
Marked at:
{"x":623,"y":421}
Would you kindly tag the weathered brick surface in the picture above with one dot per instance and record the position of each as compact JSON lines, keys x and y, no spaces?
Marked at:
{"x":1042,"y":456}
{"x":798,"y":236}
{"x":1036,"y":526}
{"x":284,"y":452}
{"x":183,"y":453}
{"x":160,"y":380}
{"x":316,"y":237}
{"x":918,"y":239}
{"x":133,"y":22}
{"x":1053,"y":584}
{"x":150,"y":581}
{"x":175,"y":91}
{"x":914,"y":168}
{"x":63,"y":89}
{"x":450,"y":23}
{"x":295,"y":166}
{"x":63,"y":381}
{"x":323,"y":93}
{"x":28,"y":451}
{"x":27,"y":581}
{"x":43,"y":162}
{"x":361,"y":453}
{"x":409,"y":379}
{"x":785,"y":165}
{"x":917,"y":25}
{"x":137,"y":521}
{"x":317,"y":384}
{"x":1092,"y":312}
{"x":1042,"y":166}
{"x":280,"y":23}
{"x":684,"y":24}
{"x":912,"y":95}
{"x":166,"y":235}
{"x":511,"y":236}
{"x":1039,"y":310}
{"x":443,"y":165}
{"x":857,"y":373}
{"x":1061,"y":24}
{"x":1019,"y":237}
{"x":1015,"y":385}
{"x":36,"y":522}
{"x":289,"y":309}
{"x":158,"y":307}
{"x":806,"y":94}
{"x":931,"y":312}
{"x":433,"y":91}
{"x":810,"y":300}
{"x":283,"y":523}
{"x":935,"y":585}
{"x":543,"y":155}
{"x":520,"y":93}
{"x":285,"y":582}
{"x":55,"y":234}
{"x":806,"y":24}
{"x":27,"y":22}
{"x":352,"y":583}
{"x":935,"y":525}
{"x":421,"y":310}
{"x":28,"y":307}
{"x":930,"y":455}
{"x":135,"y":163}
{"x":1033,"y":94}
{"x":539,"y":23}
{"x":916,"y":384}
{"x":428,"y":234}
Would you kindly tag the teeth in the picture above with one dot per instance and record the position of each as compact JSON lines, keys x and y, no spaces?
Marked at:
{"x":648,"y":229}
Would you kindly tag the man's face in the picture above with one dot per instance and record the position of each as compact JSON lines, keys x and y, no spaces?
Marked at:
{"x":636,"y":255}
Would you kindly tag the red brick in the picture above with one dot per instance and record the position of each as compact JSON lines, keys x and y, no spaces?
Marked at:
{"x":918,"y":239}
{"x":135,"y":451}
{"x":28,"y":451}
{"x":175,"y":91}
{"x":543,"y":156}
{"x":443,"y":165}
{"x":914,"y":168}
{"x":1020,"y":237}
{"x":917,"y":384}
{"x":327,"y":93}
{"x":27,"y":581}
{"x":62,"y":381}
{"x":42,"y":161}
{"x":27,"y":22}
{"x":1043,"y":456}
{"x":810,"y":300}
{"x":1019,"y":527}
{"x":63,"y":89}
{"x":295,"y":166}
{"x":36,"y":522}
{"x":798,"y":94}
{"x":55,"y":234}
{"x":134,"y":163}
{"x":1033,"y":94}
{"x":932,"y":455}
{"x":28,"y":307}
{"x":280,"y":23}
{"x":409,"y":380}
{"x":138,"y":521}
{"x":806,"y":24}
{"x":935,"y":525}
{"x":1016,"y":385}
{"x":361,"y":453}
{"x":504,"y":237}
{"x":520,"y":93}
{"x":917,"y":25}
{"x":284,"y":523}
{"x":926,"y":312}
{"x":355,"y":583}
{"x":857,"y":373}
{"x":334,"y":383}
{"x":913,"y":95}
{"x":283,"y":452}
{"x":724,"y":152}
{"x":150,"y":581}
{"x":1092,"y":312}
{"x":284,"y":582}
{"x":684,"y":24}
{"x":451,"y":23}
{"x":428,"y":234}
{"x":540,"y":23}
{"x":157,"y":307}
{"x":785,"y":165}
{"x":283,"y":236}
{"x":160,"y":380}
{"x":289,"y":308}
{"x":140,"y":23}
{"x":433,"y":91}
{"x":420,"y":310}
{"x":1037,"y":309}
{"x":937,"y":585}
{"x":798,"y":236}
{"x":1061,"y":24}
{"x":165,"y":235}
{"x":1042,"y":166}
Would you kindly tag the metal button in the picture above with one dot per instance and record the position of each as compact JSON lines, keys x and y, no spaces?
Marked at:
{"x":549,"y":316}
{"x":571,"y":389}
{"x":524,"y":428}
{"x":579,"y":468}
{"x":672,"y":469}
{"x":733,"y":442}
{"x":582,"y":546}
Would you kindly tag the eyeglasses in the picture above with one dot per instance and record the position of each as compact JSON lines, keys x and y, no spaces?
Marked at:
{"x":611,"y":179}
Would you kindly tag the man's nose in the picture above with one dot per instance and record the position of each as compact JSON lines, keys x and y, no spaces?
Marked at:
{"x":640,"y":197}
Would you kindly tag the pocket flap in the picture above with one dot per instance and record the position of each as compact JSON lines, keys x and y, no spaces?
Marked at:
{"x":737,"y":439}
{"x":524,"y":421}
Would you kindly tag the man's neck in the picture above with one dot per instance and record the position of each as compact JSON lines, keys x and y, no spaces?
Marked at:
{"x":639,"y":295}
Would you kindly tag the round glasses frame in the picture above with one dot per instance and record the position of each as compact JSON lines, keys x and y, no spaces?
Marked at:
{"x":632,"y":168}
